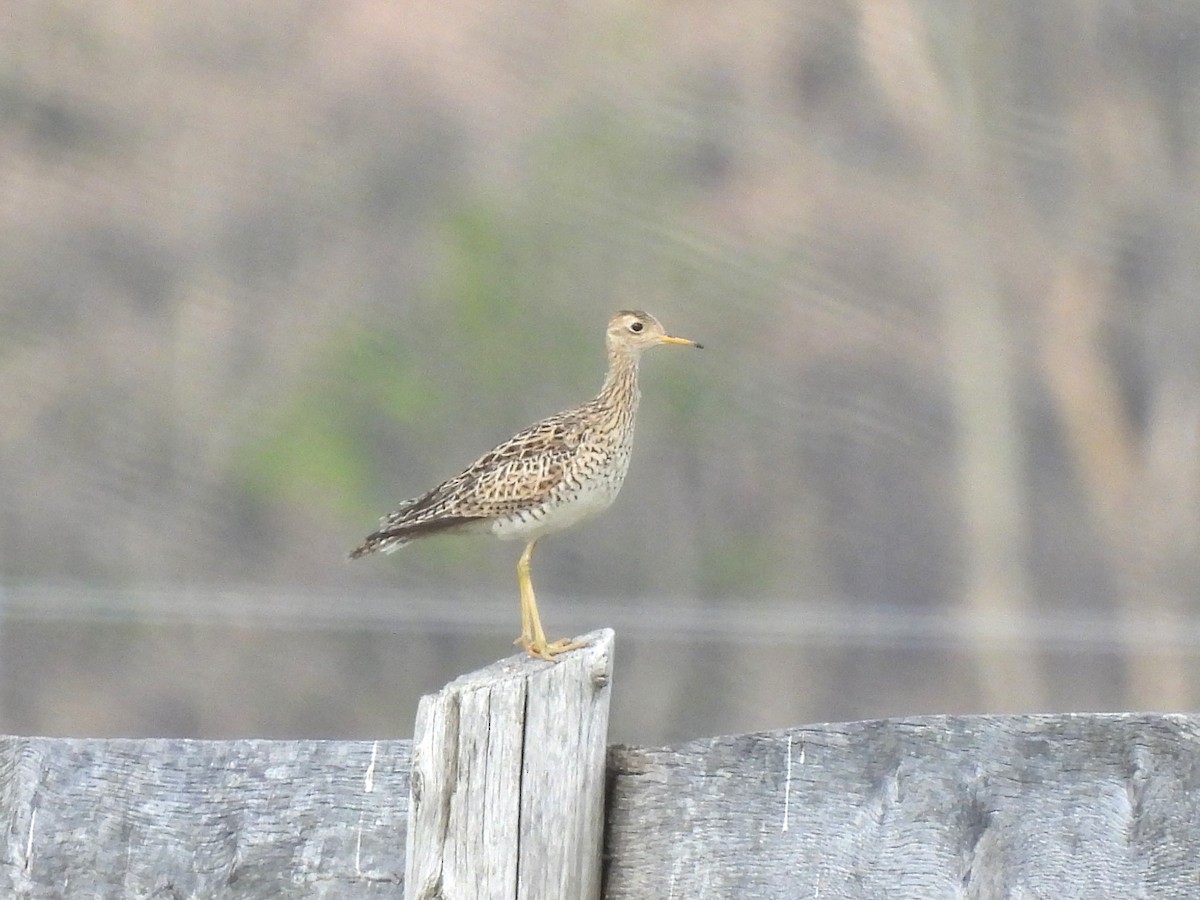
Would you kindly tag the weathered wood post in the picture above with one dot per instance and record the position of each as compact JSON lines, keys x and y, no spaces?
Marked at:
{"x":508,"y":773}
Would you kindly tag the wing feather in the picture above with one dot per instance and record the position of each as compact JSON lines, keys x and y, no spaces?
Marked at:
{"x":518,"y":474}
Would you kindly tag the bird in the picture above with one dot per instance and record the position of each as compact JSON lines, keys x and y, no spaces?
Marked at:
{"x":544,"y":479}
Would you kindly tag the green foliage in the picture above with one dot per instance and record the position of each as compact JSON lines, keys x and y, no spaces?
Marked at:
{"x":483,"y":291}
{"x":739,"y":565}
{"x":319,"y":446}
{"x":308,"y":456}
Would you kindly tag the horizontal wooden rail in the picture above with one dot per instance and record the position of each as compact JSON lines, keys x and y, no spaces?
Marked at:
{"x":1057,"y":806}
{"x":203,"y":819}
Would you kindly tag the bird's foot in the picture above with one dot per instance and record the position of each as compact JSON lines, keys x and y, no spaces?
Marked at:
{"x":548,"y":650}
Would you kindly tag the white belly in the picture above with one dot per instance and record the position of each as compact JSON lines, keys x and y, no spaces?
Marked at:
{"x":533,"y":523}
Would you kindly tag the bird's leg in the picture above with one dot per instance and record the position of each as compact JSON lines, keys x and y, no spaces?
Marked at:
{"x":533,"y":638}
{"x":527,"y":599}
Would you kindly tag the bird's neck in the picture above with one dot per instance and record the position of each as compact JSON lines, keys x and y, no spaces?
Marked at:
{"x":621,"y":385}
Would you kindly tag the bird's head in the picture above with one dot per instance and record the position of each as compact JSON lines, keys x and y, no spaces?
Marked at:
{"x":632,"y":331}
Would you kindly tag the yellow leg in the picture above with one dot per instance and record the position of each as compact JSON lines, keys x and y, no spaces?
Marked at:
{"x":533,"y":638}
{"x":527,"y":600}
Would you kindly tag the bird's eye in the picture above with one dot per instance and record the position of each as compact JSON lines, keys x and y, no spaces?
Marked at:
{"x":636,"y":327}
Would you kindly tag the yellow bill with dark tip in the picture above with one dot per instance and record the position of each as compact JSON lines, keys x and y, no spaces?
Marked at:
{"x":667,"y":339}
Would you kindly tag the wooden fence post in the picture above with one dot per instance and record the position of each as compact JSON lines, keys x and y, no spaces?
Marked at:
{"x":508,"y":773}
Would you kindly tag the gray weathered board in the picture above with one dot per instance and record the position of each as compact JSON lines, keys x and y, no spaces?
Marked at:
{"x":1052,"y":806}
{"x":172,"y":819}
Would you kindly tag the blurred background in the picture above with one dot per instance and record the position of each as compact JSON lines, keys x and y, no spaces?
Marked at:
{"x":267,"y":269}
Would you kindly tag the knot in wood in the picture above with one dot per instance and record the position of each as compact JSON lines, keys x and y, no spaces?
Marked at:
{"x":601,"y":674}
{"x":417,"y":787}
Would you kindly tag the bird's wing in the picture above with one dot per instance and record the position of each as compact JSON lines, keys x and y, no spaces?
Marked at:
{"x":519,"y":473}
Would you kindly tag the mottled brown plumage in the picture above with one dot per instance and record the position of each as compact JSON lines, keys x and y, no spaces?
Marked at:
{"x":553,"y":474}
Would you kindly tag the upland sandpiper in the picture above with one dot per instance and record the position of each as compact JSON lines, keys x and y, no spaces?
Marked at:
{"x":546,"y":478}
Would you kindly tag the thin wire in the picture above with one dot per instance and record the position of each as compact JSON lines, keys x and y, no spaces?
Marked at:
{"x":734,"y":621}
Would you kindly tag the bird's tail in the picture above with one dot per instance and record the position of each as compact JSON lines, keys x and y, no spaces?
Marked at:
{"x":394,"y":536}
{"x":381,"y":541}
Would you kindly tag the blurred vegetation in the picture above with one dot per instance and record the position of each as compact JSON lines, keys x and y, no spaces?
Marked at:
{"x":265,"y":272}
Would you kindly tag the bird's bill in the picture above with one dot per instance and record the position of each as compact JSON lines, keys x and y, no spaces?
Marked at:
{"x":667,"y":339}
